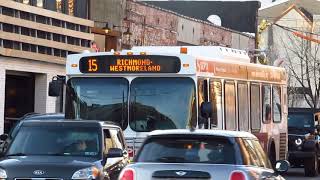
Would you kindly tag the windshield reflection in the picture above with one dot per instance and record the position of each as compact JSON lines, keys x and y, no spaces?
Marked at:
{"x":102,"y":99}
{"x":162,"y":103}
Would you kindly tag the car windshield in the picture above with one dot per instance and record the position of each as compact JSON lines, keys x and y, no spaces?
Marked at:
{"x":56,"y":140}
{"x":301,"y":120}
{"x":211,"y":150}
{"x":162,"y":103}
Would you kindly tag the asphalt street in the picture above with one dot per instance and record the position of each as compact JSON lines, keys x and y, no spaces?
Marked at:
{"x":298,"y":174}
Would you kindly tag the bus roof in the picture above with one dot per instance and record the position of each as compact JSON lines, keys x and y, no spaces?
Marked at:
{"x":213,"y":52}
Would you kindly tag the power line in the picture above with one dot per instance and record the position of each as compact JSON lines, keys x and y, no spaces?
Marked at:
{"x":294,"y":29}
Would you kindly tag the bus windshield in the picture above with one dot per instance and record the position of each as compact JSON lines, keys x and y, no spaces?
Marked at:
{"x":102,"y":99}
{"x":162,"y":103}
{"x":155,"y":103}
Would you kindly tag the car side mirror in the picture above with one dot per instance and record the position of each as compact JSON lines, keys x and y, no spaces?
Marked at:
{"x":206,"y":109}
{"x":282,"y":166}
{"x":4,"y":137}
{"x":115,"y":152}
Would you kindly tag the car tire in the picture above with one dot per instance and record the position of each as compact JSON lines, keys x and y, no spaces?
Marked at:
{"x":311,"y":166}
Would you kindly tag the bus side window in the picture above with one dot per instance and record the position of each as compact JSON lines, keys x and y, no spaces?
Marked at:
{"x":230,"y":106}
{"x":243,"y":107}
{"x":202,"y":97}
{"x":266,"y":104}
{"x":255,"y":112}
{"x":216,"y":101}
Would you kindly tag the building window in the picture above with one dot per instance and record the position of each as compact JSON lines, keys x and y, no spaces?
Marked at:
{"x":16,"y":45}
{"x":26,"y":2}
{"x":25,"y":31}
{"x":63,"y":53}
{"x":25,"y":47}
{"x":41,"y":19}
{"x":57,"y":52}
{"x":56,"y":37}
{"x":41,"y":34}
{"x":33,"y":48}
{"x":42,"y":49}
{"x":33,"y":32}
{"x":56,"y":22}
{"x":84,"y":29}
{"x":7,"y":11}
{"x":59,"y":5}
{"x":16,"y":29}
{"x":40,"y":3}
{"x":71,"y":26}
{"x":8,"y":27}
{"x":71,"y":7}
{"x":25,"y":15}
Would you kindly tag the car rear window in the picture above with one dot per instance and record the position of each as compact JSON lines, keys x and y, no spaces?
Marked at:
{"x":212,"y":150}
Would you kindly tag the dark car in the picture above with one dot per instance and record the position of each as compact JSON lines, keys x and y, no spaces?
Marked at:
{"x":64,"y":149}
{"x":202,"y":154}
{"x":34,"y":116}
{"x":304,"y":140}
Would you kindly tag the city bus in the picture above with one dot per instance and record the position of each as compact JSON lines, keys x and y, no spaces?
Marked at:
{"x":155,"y":88}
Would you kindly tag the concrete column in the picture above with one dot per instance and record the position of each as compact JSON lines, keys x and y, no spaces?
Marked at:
{"x":2,"y":97}
{"x":40,"y":97}
{"x":43,"y":102}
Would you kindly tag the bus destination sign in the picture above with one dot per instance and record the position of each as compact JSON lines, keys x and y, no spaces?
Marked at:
{"x":130,"y":64}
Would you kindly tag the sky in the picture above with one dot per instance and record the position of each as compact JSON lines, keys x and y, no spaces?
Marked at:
{"x":263,"y":2}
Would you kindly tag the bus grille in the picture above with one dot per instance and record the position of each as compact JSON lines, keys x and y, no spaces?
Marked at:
{"x":283,"y":146}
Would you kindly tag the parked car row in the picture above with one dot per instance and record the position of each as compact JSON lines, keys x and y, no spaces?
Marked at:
{"x":49,"y":146}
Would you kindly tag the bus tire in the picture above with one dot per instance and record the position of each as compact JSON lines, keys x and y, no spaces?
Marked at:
{"x":311,"y":166}
{"x":272,"y":154}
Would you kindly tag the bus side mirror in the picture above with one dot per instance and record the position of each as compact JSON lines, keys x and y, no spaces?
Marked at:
{"x":206,"y":109}
{"x":318,"y":128}
{"x":55,"y":87}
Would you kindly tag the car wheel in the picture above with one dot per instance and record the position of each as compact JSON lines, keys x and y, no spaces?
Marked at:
{"x":311,"y":166}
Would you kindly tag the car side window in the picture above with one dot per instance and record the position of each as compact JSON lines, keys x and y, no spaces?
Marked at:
{"x":253,"y":154}
{"x":108,"y":143}
{"x":115,"y":138}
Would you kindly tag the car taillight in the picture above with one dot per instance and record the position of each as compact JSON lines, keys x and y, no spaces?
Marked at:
{"x":127,"y":174}
{"x":237,"y":175}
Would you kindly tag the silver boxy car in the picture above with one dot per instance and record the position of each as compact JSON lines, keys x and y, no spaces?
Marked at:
{"x":202,"y":154}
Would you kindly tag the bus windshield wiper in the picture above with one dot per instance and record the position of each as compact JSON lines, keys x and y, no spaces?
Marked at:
{"x":16,"y":154}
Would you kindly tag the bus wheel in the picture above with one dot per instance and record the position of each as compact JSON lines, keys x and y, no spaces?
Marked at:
{"x":311,"y":166}
{"x":272,"y":155}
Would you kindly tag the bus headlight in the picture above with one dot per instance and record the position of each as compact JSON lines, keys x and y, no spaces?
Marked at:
{"x":87,"y":173}
{"x":3,"y":174}
{"x":298,"y":141}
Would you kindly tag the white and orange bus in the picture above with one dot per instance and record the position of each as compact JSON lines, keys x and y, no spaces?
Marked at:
{"x":152,"y":88}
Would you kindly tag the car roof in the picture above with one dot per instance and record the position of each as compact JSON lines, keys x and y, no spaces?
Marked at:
{"x":205,"y":132}
{"x":46,"y":116}
{"x":80,"y":122}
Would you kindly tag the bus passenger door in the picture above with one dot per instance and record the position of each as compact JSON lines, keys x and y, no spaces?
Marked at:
{"x":203,"y":122}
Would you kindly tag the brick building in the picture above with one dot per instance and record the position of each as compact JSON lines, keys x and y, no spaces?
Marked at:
{"x":35,"y":38}
{"x":151,"y":25}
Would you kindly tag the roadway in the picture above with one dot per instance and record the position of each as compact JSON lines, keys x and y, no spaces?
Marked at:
{"x":298,"y":174}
